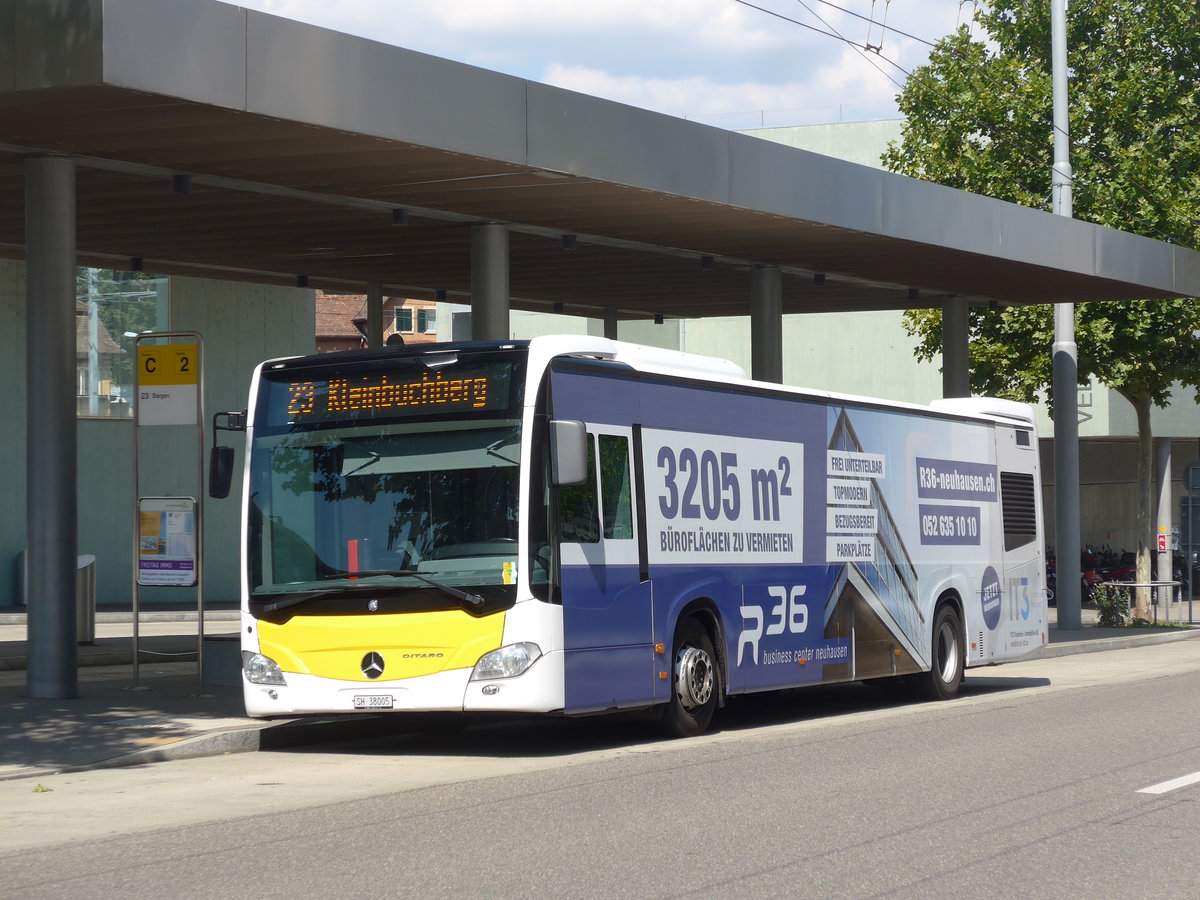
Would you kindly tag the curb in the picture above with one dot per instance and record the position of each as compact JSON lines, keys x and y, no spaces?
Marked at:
{"x":282,"y":734}
{"x":1098,"y":645}
{"x":118,"y":617}
{"x":103,"y":658}
{"x":258,"y":734}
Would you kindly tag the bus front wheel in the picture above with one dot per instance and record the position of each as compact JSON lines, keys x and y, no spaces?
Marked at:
{"x":947,"y":656}
{"x":695,"y":682}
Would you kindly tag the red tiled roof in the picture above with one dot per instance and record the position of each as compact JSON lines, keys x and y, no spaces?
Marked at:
{"x":336,"y":314}
{"x":105,"y":345}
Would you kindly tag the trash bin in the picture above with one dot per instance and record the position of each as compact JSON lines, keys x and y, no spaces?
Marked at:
{"x":85,"y":594}
{"x":20,"y":597}
{"x":85,"y":599}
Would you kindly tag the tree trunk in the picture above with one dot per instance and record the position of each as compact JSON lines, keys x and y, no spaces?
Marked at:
{"x":1145,"y":506}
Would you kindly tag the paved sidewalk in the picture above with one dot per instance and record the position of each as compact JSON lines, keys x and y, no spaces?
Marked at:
{"x":171,"y":716}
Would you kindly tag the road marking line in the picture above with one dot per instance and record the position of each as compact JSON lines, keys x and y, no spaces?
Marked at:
{"x":1174,"y":784}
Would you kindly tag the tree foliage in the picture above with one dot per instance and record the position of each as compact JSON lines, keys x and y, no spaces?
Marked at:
{"x":979,"y":116}
{"x":126,"y":304}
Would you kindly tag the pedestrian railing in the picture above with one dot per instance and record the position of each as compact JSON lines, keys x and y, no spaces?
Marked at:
{"x":1169,"y":592}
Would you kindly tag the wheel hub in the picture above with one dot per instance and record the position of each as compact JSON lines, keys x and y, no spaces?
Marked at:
{"x":694,"y":677}
{"x":947,"y":652}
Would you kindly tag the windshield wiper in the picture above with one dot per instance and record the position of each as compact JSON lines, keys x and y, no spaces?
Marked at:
{"x":473,"y":599}
{"x":298,"y":597}
{"x":372,"y":458}
{"x":491,"y":448}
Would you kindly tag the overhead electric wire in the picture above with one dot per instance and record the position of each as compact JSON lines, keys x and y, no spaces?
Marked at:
{"x":832,"y":34}
{"x":994,"y":127}
{"x":883,"y":26}
{"x":1145,"y":192}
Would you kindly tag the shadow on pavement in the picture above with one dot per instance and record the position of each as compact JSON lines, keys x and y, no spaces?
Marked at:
{"x":539,"y":737}
{"x":107,"y":720}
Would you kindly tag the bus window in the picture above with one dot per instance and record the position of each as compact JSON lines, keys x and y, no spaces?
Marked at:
{"x":578,"y":506}
{"x":614,"y":487}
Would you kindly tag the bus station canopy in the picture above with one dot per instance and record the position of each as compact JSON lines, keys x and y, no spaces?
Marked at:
{"x":215,"y":141}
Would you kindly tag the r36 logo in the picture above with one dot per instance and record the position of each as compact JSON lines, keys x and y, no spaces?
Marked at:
{"x":789,"y":615}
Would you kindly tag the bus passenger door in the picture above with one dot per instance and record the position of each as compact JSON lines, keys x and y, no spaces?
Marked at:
{"x":607,"y":620}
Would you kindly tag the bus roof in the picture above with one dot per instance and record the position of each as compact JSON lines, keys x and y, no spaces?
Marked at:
{"x":661,"y":361}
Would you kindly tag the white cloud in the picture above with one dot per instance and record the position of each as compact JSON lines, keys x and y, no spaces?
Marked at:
{"x":744,"y":104}
{"x":692,"y":58}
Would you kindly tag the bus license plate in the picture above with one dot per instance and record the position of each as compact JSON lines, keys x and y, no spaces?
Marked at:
{"x":373,"y":701}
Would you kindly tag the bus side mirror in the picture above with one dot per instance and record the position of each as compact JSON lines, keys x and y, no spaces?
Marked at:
{"x":568,"y":452}
{"x":220,"y":472}
{"x":220,"y":460}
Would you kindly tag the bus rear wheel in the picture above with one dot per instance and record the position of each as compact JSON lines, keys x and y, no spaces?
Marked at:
{"x":695,"y":682}
{"x":947,"y":656}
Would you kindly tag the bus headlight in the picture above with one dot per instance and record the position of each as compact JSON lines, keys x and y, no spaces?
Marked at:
{"x":506,"y":662}
{"x":261,"y":669}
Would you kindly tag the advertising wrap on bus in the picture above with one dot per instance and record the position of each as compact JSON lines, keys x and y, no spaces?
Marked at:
{"x":824,"y":531}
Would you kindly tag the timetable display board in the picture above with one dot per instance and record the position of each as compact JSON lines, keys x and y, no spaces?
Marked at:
{"x":168,"y":378}
{"x":167,"y":541}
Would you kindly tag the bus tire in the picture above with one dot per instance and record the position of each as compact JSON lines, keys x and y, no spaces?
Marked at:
{"x":695,"y":682}
{"x":947,"y":656}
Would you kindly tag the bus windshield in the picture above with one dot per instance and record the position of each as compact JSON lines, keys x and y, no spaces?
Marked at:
{"x":386,"y":471}
{"x":435,"y":498}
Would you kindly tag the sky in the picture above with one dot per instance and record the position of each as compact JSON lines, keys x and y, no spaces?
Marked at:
{"x":721,"y":62}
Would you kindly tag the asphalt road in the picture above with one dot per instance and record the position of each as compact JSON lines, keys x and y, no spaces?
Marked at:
{"x":1027,"y":785}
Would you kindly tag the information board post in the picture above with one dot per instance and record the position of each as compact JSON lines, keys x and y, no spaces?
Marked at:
{"x":168,"y":532}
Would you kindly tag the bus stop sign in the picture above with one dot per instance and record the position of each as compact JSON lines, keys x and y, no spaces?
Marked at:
{"x":168,"y":376}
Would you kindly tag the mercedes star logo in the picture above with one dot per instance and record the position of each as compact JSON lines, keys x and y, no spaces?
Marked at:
{"x":372,"y":665}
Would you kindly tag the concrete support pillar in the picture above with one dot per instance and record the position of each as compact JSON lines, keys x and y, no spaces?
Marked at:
{"x":374,"y":315}
{"x":489,"y":282}
{"x":766,"y":324}
{"x":50,"y":480}
{"x":610,"y":324}
{"x":1166,"y":561}
{"x":956,"y":377}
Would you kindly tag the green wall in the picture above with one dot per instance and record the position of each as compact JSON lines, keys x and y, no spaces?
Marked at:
{"x":241,"y":324}
{"x":12,"y":443}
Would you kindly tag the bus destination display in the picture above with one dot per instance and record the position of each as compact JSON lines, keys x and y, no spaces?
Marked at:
{"x":385,"y":395}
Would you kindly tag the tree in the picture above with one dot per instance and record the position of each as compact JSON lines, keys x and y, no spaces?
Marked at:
{"x":979,"y":117}
{"x":127,"y":303}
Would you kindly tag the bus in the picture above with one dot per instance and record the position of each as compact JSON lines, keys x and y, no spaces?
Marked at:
{"x":572,"y":525}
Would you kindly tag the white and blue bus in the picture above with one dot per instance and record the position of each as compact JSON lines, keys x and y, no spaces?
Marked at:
{"x":572,"y":525}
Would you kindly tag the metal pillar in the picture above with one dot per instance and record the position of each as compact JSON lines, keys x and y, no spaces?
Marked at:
{"x":1066,"y":356}
{"x":610,"y":324}
{"x":956,"y":364}
{"x":50,"y":480}
{"x":489,"y":282}
{"x":766,"y":324}
{"x":1166,"y":560}
{"x":374,"y":315}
